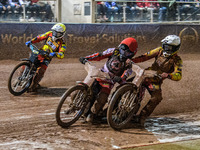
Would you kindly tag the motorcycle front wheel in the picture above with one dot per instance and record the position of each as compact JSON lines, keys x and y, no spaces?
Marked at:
{"x":20,"y":79}
{"x":123,"y":106}
{"x":71,"y":106}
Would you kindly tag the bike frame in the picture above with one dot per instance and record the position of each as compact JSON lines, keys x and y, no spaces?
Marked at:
{"x":141,"y":74}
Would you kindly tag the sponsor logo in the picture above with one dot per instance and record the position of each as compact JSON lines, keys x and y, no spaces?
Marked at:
{"x":189,"y":34}
{"x":10,"y":38}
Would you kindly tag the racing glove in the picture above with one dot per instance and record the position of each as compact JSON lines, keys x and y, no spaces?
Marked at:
{"x":52,"y":54}
{"x":117,"y":79}
{"x":28,"y":43}
{"x":83,"y":60}
{"x":164,"y":75}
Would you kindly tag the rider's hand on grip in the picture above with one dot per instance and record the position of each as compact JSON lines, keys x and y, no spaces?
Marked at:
{"x":83,"y":60}
{"x":164,"y":75}
{"x":117,"y":79}
{"x":52,"y":54}
{"x":28,"y":43}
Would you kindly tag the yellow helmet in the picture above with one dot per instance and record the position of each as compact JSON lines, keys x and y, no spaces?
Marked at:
{"x":59,"y":30}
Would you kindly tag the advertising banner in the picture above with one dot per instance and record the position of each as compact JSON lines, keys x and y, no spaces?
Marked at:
{"x":85,"y":39}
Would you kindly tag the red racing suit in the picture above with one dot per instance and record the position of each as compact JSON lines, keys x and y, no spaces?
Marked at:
{"x":171,"y":65}
{"x":114,"y":67}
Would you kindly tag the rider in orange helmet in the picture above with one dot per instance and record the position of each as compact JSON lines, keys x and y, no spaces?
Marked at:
{"x":118,"y":66}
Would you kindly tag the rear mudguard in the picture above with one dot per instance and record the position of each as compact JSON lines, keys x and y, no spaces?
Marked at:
{"x":124,"y":84}
{"x":85,"y":85}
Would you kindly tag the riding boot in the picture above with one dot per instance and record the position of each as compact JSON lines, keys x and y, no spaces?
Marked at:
{"x":98,"y":106}
{"x":156,"y":97}
{"x":38,"y":77}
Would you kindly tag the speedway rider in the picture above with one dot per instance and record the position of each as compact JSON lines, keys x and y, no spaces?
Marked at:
{"x":54,"y":44}
{"x":119,"y":68}
{"x":167,"y":64}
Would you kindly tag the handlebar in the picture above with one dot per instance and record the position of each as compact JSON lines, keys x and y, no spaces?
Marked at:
{"x":35,"y":50}
{"x":158,"y":76}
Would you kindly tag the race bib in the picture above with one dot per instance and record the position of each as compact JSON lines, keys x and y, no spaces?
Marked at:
{"x":52,"y":43}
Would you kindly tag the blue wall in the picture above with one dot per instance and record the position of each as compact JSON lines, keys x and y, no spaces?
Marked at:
{"x":84,"y":39}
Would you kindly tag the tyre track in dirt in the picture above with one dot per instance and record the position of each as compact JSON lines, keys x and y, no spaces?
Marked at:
{"x":28,"y":121}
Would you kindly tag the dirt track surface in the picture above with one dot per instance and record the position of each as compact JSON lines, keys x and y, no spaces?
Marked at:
{"x":28,"y":121}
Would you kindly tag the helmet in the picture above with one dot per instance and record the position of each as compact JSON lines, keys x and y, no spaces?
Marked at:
{"x":59,"y":30}
{"x":170,"y":45}
{"x":128,"y":48}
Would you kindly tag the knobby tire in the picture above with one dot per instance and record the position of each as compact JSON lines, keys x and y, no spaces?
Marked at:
{"x":76,"y":116}
{"x":114,"y":104}
{"x":11,"y":76}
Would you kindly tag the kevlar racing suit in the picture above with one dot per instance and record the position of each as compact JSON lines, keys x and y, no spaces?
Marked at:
{"x":114,"y":67}
{"x":58,"y":46}
{"x":171,"y":65}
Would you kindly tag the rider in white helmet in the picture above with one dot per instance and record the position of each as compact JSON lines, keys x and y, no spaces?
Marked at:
{"x":170,"y":45}
{"x":54,"y":44}
{"x":167,"y":64}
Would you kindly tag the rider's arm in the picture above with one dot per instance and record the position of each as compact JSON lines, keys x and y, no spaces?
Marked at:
{"x":151,"y":54}
{"x":41,"y":37}
{"x":177,"y":74}
{"x":101,"y":55}
{"x":62,"y":49}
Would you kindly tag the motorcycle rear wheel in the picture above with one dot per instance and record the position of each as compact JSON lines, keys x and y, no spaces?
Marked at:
{"x":71,"y":106}
{"x":123,"y":106}
{"x":20,"y":80}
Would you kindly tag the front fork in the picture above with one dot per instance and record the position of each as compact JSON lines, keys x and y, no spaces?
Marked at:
{"x":133,"y":99}
{"x":30,"y":75}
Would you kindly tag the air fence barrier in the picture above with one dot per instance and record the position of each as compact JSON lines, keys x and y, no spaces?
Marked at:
{"x":84,"y":39}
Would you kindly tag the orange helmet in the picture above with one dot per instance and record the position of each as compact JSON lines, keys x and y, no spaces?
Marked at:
{"x":127,"y":48}
{"x":131,"y":44}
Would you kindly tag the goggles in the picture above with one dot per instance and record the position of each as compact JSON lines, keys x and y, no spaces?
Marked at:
{"x":169,"y":50}
{"x":167,"y":47}
{"x":126,"y":53}
{"x":57,"y":34}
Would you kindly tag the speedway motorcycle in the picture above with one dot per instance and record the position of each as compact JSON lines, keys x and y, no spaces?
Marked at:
{"x":126,"y":100}
{"x":76,"y":99}
{"x":22,"y":75}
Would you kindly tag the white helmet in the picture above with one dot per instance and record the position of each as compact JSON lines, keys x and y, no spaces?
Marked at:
{"x":170,"y":44}
{"x":59,"y":30}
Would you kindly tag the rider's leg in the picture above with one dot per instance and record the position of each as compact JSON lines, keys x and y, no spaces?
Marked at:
{"x":156,"y":97}
{"x":38,"y":77}
{"x":99,"y":103}
{"x":96,"y":88}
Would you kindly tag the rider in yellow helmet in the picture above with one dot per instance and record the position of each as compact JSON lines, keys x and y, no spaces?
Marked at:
{"x":54,"y":44}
